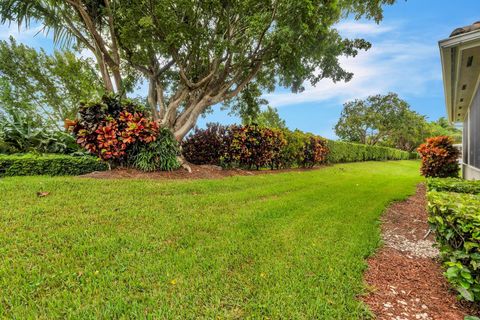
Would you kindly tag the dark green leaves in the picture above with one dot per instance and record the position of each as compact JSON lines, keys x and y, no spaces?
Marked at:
{"x":455,"y":218}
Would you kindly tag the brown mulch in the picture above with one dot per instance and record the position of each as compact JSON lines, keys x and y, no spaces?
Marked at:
{"x":405,"y":277}
{"x":198,"y":172}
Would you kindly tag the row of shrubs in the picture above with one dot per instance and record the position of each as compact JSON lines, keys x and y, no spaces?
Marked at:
{"x":454,"y":215}
{"x":341,"y":151}
{"x":53,"y":165}
{"x":252,"y":146}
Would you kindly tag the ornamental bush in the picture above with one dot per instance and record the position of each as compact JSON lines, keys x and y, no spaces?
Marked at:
{"x":49,"y":164}
{"x":206,"y":146}
{"x":21,"y":132}
{"x":455,"y":218}
{"x":160,"y":154}
{"x":439,"y":157}
{"x":110,"y":127}
{"x":292,"y":154}
{"x":252,"y":146}
{"x":315,"y":151}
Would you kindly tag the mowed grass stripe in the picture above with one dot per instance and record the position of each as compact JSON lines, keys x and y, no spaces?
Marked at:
{"x":287,"y":245}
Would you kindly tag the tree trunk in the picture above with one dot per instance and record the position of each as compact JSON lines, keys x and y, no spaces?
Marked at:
{"x":187,"y":121}
{"x":152,"y":99}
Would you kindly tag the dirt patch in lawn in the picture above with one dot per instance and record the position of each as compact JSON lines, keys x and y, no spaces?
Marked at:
{"x":405,"y":275}
{"x":198,"y":172}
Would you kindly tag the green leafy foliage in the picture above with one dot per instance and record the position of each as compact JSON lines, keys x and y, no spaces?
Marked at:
{"x":454,"y":185}
{"x":340,"y":151}
{"x":455,"y":218}
{"x":385,"y":120}
{"x":253,"y":109}
{"x":439,"y":157}
{"x":21,"y":132}
{"x":160,"y":154}
{"x":239,"y":145}
{"x":442,"y":127}
{"x":46,"y":86}
{"x":6,"y":148}
{"x":293,"y":153}
{"x":200,"y":53}
{"x":249,"y":146}
{"x":53,"y":165}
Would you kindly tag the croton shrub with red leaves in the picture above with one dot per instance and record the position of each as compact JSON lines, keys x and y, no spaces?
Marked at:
{"x":439,"y":157}
{"x":206,"y":146}
{"x":252,"y":146}
{"x":111,"y":127}
{"x":315,"y":151}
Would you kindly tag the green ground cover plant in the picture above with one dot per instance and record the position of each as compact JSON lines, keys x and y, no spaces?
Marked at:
{"x":290,"y":245}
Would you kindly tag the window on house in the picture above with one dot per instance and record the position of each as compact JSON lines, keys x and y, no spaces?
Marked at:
{"x":465,"y":141}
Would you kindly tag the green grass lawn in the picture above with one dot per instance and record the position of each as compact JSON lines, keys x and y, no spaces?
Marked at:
{"x":288,"y":245}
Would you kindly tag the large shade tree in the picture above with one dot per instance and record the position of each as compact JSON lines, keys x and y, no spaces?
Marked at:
{"x":382,"y":120}
{"x":197,"y":53}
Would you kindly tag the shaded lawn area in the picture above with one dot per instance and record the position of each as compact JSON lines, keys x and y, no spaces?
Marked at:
{"x":288,"y":245}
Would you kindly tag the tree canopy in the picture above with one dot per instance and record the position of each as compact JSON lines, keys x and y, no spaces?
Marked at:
{"x":442,"y":127}
{"x":195,"y":54}
{"x":253,"y":109}
{"x":46,"y":89}
{"x":384,"y":120}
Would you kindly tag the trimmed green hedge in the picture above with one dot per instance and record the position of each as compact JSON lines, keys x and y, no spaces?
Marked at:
{"x":453,"y":185}
{"x":53,"y":165}
{"x":455,"y":218}
{"x":352,"y":152}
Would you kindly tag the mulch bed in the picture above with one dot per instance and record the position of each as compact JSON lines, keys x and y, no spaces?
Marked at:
{"x":198,"y":172}
{"x":405,"y":275}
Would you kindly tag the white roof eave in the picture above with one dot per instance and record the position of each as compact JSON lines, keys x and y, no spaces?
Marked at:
{"x":450,"y":65}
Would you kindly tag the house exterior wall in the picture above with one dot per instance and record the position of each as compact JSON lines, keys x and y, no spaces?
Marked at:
{"x":471,"y":141}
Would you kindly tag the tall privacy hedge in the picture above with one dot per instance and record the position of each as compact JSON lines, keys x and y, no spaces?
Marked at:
{"x":53,"y":165}
{"x":352,"y":152}
{"x":253,"y":146}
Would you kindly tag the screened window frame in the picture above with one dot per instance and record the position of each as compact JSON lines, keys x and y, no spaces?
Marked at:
{"x":471,"y":134}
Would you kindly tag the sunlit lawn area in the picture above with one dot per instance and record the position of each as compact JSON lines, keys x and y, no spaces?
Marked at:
{"x":288,"y":245}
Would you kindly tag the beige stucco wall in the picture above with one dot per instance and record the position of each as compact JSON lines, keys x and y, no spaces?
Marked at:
{"x":470,"y":173}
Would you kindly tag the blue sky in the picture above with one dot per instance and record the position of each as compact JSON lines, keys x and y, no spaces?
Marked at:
{"x":404,"y":59}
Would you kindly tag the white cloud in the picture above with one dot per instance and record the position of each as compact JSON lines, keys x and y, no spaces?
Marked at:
{"x":354,"y":28}
{"x":405,"y":67}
